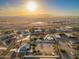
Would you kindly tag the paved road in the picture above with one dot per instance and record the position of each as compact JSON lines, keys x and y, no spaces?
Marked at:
{"x":66,"y":56}
{"x":63,"y":45}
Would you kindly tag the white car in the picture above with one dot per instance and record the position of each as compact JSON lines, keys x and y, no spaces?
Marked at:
{"x":57,"y":36}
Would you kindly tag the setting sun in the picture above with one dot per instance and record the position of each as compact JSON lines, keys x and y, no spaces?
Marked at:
{"x":31,"y":6}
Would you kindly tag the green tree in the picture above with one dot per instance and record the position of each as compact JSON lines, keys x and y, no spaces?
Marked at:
{"x":31,"y":30}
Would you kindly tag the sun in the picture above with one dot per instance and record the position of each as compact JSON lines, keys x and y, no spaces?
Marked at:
{"x":31,"y":6}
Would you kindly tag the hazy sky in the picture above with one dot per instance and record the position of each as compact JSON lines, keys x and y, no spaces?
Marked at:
{"x":55,"y":7}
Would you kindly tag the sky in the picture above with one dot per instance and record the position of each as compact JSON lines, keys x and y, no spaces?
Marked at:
{"x":54,"y":7}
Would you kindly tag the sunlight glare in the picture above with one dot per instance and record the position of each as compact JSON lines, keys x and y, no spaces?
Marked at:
{"x":31,"y":6}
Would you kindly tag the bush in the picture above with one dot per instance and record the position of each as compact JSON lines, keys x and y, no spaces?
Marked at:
{"x":62,"y":50}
